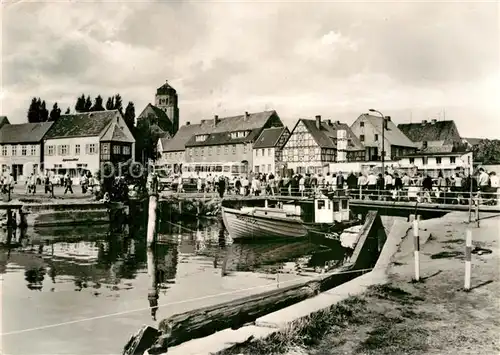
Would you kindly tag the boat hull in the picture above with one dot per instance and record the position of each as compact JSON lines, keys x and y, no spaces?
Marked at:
{"x":246,"y":225}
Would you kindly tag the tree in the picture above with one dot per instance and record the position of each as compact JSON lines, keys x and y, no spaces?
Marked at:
{"x":129,"y":115}
{"x":110,"y":104}
{"x":88,"y":104}
{"x":33,"y":110}
{"x":67,"y":111}
{"x":43,"y":113}
{"x":118,"y":103}
{"x":487,"y":151}
{"x":80,"y":104}
{"x":55,"y":113}
{"x":98,"y":104}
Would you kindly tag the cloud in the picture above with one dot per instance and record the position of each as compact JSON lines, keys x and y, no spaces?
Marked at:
{"x":334,"y":59}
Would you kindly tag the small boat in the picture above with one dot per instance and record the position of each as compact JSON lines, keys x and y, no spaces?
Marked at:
{"x":319,"y":217}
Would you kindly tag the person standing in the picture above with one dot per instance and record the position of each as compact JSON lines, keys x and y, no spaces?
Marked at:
{"x":372,"y":183}
{"x":221,"y":186}
{"x":495,"y":187}
{"x":68,"y":184}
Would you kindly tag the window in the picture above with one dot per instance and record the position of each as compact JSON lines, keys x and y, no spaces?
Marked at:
{"x":361,"y":124}
{"x":209,"y":150}
{"x":226,"y":149}
{"x":4,"y":150}
{"x":77,"y":149}
{"x":202,"y":151}
{"x":453,"y":160}
{"x":234,"y":148}
{"x":62,"y":149}
{"x":218,"y":150}
{"x":24,"y":150}
{"x":412,"y":160}
{"x":263,"y":167}
{"x":92,"y":148}
{"x":239,"y":134}
{"x":362,"y":137}
{"x":126,"y":150}
{"x":256,"y":169}
{"x":116,"y":149}
{"x":201,"y":137}
{"x":244,"y":148}
{"x":105,"y":148}
{"x":262,"y":152}
{"x":33,"y":150}
{"x":268,"y":152}
{"x":424,"y":160}
{"x":14,"y":150}
{"x":50,"y":150}
{"x":438,"y":160}
{"x":268,"y":168}
{"x":376,"y":137}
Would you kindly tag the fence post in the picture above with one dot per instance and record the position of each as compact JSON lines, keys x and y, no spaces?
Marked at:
{"x":477,"y":212}
{"x":360,"y":192}
{"x":416,"y":245}
{"x":468,"y":254}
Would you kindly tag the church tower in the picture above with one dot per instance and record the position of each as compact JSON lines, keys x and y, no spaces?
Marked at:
{"x":166,"y":100}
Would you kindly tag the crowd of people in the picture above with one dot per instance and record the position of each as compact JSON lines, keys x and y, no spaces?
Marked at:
{"x":454,"y":188}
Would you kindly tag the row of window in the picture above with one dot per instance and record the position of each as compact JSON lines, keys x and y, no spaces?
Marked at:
{"x":217,"y":150}
{"x":262,"y":169}
{"x":24,"y":151}
{"x":425,"y":160}
{"x":65,"y":149}
{"x":263,"y":152}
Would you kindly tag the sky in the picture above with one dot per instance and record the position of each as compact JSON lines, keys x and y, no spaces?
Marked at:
{"x":410,"y":60}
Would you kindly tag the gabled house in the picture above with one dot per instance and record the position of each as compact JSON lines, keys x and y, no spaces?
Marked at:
{"x":432,"y":133}
{"x":21,"y":148}
{"x":267,"y":149}
{"x":368,"y":129}
{"x":85,"y":141}
{"x":314,"y":144}
{"x":448,"y":159}
{"x":229,"y":139}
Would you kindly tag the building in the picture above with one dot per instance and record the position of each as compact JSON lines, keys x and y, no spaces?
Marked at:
{"x":165,"y":112}
{"x":172,"y":151}
{"x":448,"y":159}
{"x":21,"y":148}
{"x":314,"y":144}
{"x":472,"y":142}
{"x":267,"y":149}
{"x":368,"y":129}
{"x":84,"y":141}
{"x":432,"y":133}
{"x":227,"y":142}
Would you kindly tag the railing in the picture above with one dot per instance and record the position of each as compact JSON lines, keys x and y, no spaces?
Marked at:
{"x":448,"y":195}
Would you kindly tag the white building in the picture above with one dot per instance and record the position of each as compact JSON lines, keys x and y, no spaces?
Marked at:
{"x":21,"y":148}
{"x":82,"y":142}
{"x":432,"y":160}
{"x":267,"y":149}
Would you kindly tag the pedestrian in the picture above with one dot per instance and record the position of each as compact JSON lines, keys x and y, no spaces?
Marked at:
{"x":68,"y":183}
{"x":221,"y":186}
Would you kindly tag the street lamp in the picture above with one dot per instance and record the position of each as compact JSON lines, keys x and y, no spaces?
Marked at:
{"x":383,"y":139}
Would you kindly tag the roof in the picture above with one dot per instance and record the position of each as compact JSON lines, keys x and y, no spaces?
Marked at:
{"x":445,"y":149}
{"x":393,"y":134}
{"x":86,"y":124}
{"x":269,"y":137}
{"x":161,"y":116}
{"x":24,"y":132}
{"x":178,"y":142}
{"x":326,"y":136}
{"x":115,"y":133}
{"x":165,"y":89}
{"x":219,"y":133}
{"x":3,"y":120}
{"x":473,"y":141}
{"x":430,"y":131}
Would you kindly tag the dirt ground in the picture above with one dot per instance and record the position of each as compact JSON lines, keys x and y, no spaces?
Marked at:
{"x":434,"y":316}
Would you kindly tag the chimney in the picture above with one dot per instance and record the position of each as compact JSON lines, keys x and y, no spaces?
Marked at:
{"x":329,"y":122}
{"x":188,"y":123}
{"x":433,"y":121}
{"x":216,"y":120}
{"x":247,"y":115}
{"x":318,"y":121}
{"x":424,"y":122}
{"x":388,"y":118}
{"x":202,"y":121}
{"x":337,"y":122}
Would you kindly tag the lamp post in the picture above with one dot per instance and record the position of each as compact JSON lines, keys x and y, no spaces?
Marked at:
{"x":383,"y":139}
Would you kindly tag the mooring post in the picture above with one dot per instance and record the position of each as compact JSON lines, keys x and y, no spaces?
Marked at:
{"x":153,"y":287}
{"x":468,"y":255}
{"x":477,"y":213}
{"x":152,"y":210}
{"x":416,"y":244}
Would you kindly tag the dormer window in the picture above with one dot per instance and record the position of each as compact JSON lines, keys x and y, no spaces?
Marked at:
{"x":201,"y":137}
{"x":239,"y":134}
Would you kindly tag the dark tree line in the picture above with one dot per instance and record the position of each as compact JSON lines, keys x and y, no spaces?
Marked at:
{"x":38,"y":112}
{"x":85,"y":104}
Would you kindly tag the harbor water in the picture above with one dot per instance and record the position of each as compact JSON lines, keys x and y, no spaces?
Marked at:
{"x":64,"y":289}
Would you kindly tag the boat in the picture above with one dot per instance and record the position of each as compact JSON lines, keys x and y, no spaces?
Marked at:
{"x":323,"y":216}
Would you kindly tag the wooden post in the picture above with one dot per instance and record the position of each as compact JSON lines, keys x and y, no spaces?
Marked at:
{"x":360,"y":192}
{"x":153,"y":289}
{"x":416,"y":244}
{"x":266,"y":203}
{"x":477,"y":212}
{"x":152,"y":211}
{"x":468,"y":254}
